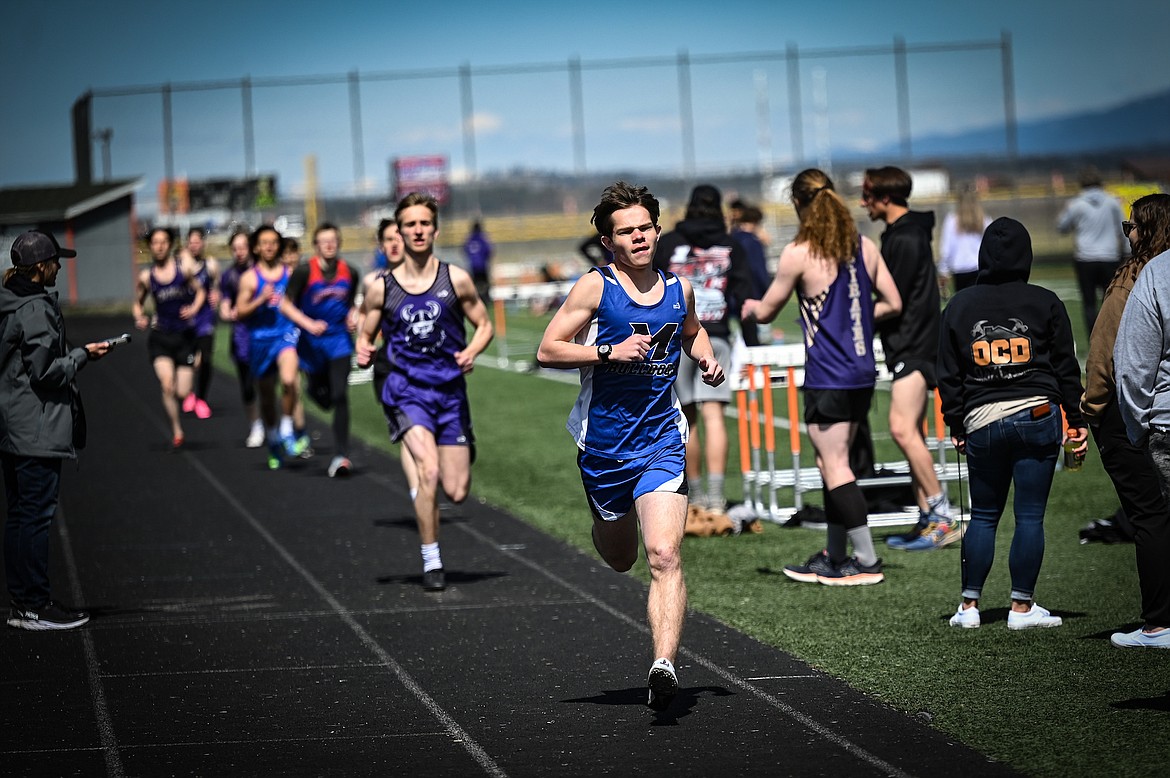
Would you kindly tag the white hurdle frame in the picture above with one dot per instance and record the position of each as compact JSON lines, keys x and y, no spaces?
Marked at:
{"x":768,"y":367}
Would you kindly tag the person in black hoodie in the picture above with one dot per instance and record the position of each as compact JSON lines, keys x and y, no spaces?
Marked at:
{"x":702,"y":251}
{"x":910,"y":342}
{"x":1006,"y":365}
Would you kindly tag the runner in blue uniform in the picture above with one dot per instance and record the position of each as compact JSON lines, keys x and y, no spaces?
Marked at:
{"x":625,"y":326}
{"x":836,"y":274}
{"x":177,"y":295}
{"x":423,"y":304}
{"x":324,"y":290}
{"x":272,"y":323}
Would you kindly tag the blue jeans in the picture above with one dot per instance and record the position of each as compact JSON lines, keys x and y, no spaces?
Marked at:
{"x":31,"y":485}
{"x":1022,"y":449}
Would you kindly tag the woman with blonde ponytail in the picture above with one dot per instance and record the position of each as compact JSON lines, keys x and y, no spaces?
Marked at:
{"x":843,"y":287}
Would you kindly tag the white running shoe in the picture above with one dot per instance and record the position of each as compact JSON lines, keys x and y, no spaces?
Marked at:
{"x":256,"y":436}
{"x":663,"y":683}
{"x":1035,"y":617}
{"x":340,"y":466}
{"x":967,"y":619}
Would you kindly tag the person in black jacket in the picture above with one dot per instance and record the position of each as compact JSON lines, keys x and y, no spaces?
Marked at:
{"x":1006,"y":365}
{"x":700,"y":249}
{"x":41,"y":424}
{"x":910,"y":342}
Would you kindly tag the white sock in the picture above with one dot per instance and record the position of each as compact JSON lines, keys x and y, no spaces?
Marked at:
{"x":286,"y":426}
{"x":257,"y":425}
{"x":939,"y":504}
{"x":430,"y":555}
{"x":414,"y":494}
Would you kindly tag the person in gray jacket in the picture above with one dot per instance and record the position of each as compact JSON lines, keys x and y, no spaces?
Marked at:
{"x":41,"y":424}
{"x":1094,"y":216}
{"x":1142,"y":371}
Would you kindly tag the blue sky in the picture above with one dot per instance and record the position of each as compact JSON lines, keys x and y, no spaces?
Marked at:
{"x":1069,"y":56}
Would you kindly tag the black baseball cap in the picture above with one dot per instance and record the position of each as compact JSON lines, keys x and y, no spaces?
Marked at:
{"x":37,"y":246}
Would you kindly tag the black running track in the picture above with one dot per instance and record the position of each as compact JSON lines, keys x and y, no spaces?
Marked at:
{"x":248,"y":622}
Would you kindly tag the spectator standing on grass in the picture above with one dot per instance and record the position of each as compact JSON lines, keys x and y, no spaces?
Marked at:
{"x":324,"y":290}
{"x":1007,"y":365}
{"x":207,"y":271}
{"x":625,"y":326}
{"x":1142,"y":371}
{"x":962,"y":232}
{"x":910,"y":342}
{"x":1129,"y":466}
{"x":273,"y":332}
{"x":701,"y":250}
{"x":390,"y":244}
{"x":843,"y":287}
{"x":177,"y":294}
{"x":423,"y":305}
{"x":744,"y":232}
{"x":42,"y":423}
{"x":229,"y":288}
{"x":478,"y":251}
{"x":1094,"y":217}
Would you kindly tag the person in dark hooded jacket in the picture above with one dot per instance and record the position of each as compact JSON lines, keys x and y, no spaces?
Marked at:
{"x":41,"y":424}
{"x":910,"y":342}
{"x":1006,"y":366}
{"x":701,"y":250}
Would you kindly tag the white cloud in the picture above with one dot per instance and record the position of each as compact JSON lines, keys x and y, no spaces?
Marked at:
{"x":486,"y":123}
{"x":649,"y":124}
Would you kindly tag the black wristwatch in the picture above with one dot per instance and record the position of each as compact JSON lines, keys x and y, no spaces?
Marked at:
{"x":604,"y":351}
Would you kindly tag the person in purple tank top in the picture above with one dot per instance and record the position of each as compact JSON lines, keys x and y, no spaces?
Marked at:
{"x":843,"y":287}
{"x":174,"y":287}
{"x":229,"y":288}
{"x":423,"y":303}
{"x":207,"y":270}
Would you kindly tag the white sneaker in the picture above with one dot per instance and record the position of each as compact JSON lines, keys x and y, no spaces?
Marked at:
{"x":339,"y":466}
{"x":1035,"y":617}
{"x":966,"y":618}
{"x":1135,"y":639}
{"x":255,"y":437}
{"x":663,"y":683}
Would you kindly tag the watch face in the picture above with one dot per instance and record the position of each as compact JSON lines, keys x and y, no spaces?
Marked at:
{"x":604,"y":351}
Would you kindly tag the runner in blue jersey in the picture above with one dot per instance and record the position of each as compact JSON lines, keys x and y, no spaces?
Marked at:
{"x":837,"y":275}
{"x":423,"y":304}
{"x":229,"y":290}
{"x":207,"y":271}
{"x":177,"y":296}
{"x":272,"y":323}
{"x":625,"y":326}
{"x":324,"y":290}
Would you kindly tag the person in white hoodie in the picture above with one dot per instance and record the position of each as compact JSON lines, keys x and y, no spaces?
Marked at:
{"x":1094,"y":216}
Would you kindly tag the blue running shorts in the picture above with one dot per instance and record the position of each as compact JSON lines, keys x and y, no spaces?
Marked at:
{"x":612,"y":485}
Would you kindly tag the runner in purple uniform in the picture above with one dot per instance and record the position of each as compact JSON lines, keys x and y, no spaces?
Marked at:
{"x":177,"y":295}
{"x":207,"y":271}
{"x":424,"y":303}
{"x":229,"y":289}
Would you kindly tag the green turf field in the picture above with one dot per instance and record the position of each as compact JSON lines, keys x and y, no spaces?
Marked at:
{"x":1049,"y":702}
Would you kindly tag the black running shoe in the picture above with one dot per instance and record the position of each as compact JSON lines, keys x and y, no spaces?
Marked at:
{"x":51,"y":616}
{"x":817,"y":564}
{"x":434,"y":580}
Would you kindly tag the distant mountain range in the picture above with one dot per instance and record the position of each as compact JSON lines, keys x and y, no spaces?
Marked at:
{"x":1142,"y":124}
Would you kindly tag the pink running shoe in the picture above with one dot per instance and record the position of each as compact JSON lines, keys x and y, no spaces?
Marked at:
{"x":202,"y":409}
{"x":189,"y":403}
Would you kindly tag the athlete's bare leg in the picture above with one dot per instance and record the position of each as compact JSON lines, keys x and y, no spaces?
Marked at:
{"x":288,"y":365}
{"x":617,"y":541}
{"x":714,"y":439}
{"x":420,"y":442}
{"x":907,"y":410}
{"x":455,"y":472}
{"x":164,"y":369}
{"x":831,"y":442}
{"x":694,"y":445}
{"x":663,"y":516}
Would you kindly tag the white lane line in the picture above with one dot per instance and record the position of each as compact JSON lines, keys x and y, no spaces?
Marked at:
{"x":454,"y":731}
{"x":97,"y":689}
{"x":728,"y":676}
{"x":206,"y":743}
